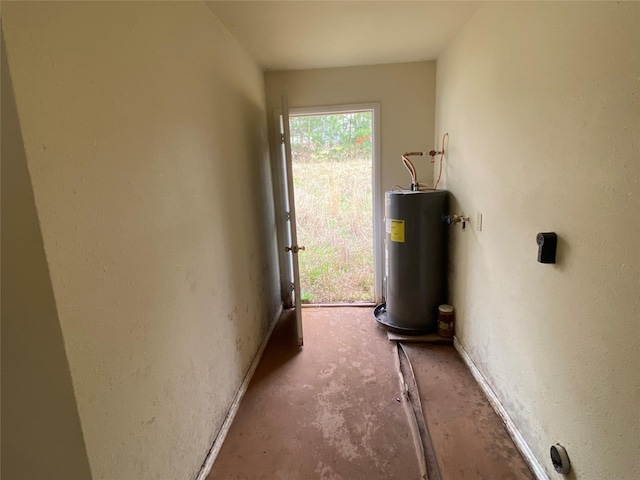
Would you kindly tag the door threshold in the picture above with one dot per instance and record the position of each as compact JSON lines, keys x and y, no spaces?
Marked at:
{"x":323,"y":305}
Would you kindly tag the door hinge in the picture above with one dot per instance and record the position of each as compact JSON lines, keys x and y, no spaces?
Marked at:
{"x":282,"y":138}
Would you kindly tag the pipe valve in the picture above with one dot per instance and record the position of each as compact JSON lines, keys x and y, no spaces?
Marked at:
{"x":453,"y":219}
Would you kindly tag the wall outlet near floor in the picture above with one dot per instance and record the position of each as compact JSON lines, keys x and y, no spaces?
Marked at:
{"x":479,"y":222}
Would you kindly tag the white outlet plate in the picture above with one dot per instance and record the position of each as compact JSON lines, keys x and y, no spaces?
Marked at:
{"x":479,"y":221}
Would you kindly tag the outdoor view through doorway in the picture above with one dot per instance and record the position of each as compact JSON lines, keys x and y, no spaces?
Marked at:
{"x":332,"y":174}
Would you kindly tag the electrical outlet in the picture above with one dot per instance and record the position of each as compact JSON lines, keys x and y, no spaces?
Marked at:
{"x":479,"y":222}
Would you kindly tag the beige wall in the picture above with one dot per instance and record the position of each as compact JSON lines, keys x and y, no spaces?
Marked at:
{"x":145,"y":137}
{"x":541,"y":102}
{"x":405,"y":91}
{"x":39,"y":412}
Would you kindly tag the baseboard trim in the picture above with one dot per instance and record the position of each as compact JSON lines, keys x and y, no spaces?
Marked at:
{"x":233,"y":410}
{"x":513,"y":431}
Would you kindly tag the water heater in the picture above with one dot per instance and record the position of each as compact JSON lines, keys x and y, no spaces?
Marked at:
{"x":416,"y":260}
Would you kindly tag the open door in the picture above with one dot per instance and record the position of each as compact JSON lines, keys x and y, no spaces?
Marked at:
{"x":292,"y":249}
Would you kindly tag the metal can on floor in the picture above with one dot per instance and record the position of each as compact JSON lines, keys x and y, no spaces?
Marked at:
{"x":446,"y":318}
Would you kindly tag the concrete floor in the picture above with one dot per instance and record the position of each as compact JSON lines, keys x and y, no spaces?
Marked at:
{"x":329,"y":410}
{"x":469,"y":439}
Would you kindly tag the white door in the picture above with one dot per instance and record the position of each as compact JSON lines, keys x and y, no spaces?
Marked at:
{"x":292,"y":249}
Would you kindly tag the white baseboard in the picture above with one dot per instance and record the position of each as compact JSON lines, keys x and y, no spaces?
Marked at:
{"x":515,"y":434}
{"x":233,"y":410}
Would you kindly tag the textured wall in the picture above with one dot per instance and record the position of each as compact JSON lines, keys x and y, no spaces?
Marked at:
{"x":145,"y":137}
{"x":41,"y":434}
{"x":541,"y":104}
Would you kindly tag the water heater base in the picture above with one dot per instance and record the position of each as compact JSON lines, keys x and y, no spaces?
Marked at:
{"x":380,"y":314}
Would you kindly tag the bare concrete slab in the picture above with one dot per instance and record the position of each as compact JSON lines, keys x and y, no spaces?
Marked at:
{"x":469,"y":439}
{"x":327,"y":410}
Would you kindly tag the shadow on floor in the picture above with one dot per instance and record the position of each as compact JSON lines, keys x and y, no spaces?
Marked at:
{"x":283,"y":346}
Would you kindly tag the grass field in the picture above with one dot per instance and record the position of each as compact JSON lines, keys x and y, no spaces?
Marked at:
{"x":334,"y":221}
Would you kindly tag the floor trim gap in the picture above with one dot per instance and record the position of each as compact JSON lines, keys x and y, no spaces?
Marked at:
{"x":513,"y":431}
{"x":413,"y":406}
{"x":235,"y":405}
{"x":409,"y":409}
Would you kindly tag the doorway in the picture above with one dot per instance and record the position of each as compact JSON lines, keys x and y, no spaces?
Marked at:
{"x":335,"y":172}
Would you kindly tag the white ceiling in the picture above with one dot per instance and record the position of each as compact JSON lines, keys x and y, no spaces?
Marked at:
{"x":292,"y":35}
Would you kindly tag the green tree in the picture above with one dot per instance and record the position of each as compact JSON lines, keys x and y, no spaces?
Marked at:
{"x":340,"y":136}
